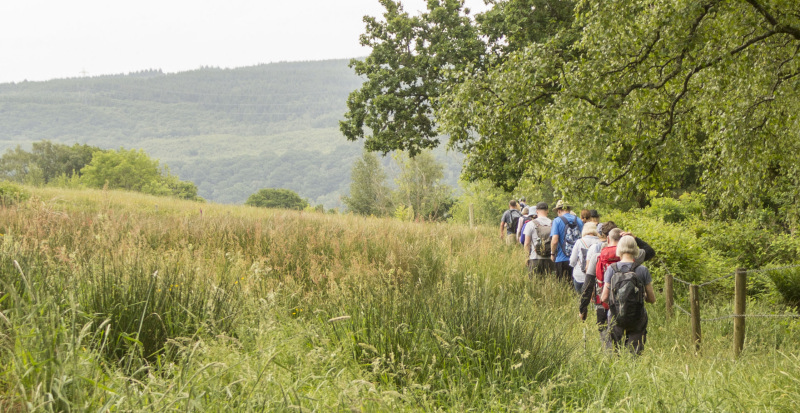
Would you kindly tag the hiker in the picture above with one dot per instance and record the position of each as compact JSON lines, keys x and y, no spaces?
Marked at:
{"x":590,"y":284}
{"x":537,"y":242}
{"x":594,"y":216}
{"x":577,"y":259}
{"x":629,"y":285}
{"x":509,"y":221}
{"x":525,"y":218}
{"x":565,"y":232}
{"x":522,"y":202}
{"x":585,"y":215}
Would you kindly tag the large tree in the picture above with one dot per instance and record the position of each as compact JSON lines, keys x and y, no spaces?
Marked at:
{"x":416,"y":59}
{"x":638,"y":98}
{"x":664,"y":94}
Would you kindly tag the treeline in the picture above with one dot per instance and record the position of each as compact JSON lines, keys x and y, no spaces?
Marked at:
{"x":125,"y":108}
{"x":56,"y":164}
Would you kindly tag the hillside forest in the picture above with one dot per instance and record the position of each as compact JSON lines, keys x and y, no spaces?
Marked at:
{"x":230,"y":132}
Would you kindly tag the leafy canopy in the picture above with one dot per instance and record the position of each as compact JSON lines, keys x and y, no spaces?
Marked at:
{"x":629,"y":99}
{"x":276,"y":198}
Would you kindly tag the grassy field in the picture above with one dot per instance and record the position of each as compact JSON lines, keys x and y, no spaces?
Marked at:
{"x":125,"y":302}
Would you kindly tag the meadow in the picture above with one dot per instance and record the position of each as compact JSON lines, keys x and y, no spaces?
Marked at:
{"x":115,"y":301}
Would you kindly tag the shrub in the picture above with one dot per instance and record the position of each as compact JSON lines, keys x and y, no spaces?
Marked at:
{"x":787,"y":281}
{"x":276,"y":198}
{"x":11,"y":194}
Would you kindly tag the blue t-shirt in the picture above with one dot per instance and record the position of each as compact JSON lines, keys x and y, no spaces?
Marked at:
{"x":561,"y":230}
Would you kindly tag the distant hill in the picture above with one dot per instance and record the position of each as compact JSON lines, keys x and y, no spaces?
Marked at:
{"x":230,"y":131}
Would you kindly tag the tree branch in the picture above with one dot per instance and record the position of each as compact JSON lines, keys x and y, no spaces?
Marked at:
{"x":778,"y":27}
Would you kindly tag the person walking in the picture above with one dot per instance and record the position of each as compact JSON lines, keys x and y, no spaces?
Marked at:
{"x":537,"y":242}
{"x":565,"y":232}
{"x":521,"y":224}
{"x":509,"y":221}
{"x":629,"y":285}
{"x":578,"y":258}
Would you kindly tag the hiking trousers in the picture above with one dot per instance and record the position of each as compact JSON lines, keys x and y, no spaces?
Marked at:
{"x":632,"y":338}
{"x":564,"y":272}
{"x":540,"y":267}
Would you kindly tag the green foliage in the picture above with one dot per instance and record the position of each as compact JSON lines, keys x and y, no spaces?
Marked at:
{"x":11,"y":194}
{"x":404,"y":213}
{"x":630,"y":101}
{"x":276,"y":198}
{"x":488,"y":203}
{"x":123,"y":169}
{"x":420,"y":186}
{"x":134,"y":171}
{"x":47,"y":161}
{"x":418,"y":61}
{"x":672,"y":210}
{"x":406,"y":72}
{"x":787,"y":282}
{"x":369,"y":191}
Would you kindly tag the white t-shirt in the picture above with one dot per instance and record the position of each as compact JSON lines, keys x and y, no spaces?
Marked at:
{"x":530,"y":232}
{"x":574,"y":261}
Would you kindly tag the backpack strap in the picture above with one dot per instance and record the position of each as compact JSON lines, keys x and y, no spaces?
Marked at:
{"x":563,"y":240}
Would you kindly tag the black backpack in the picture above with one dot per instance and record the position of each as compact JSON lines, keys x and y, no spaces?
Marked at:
{"x":514,"y":221}
{"x":627,"y":296}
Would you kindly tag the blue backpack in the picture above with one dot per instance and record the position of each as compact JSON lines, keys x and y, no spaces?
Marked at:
{"x":572,"y":233}
{"x":528,"y":219}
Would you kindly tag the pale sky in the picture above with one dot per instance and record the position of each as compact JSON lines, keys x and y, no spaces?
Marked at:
{"x":46,"y":39}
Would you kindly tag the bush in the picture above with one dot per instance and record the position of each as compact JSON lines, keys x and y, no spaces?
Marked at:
{"x":787,"y":282}
{"x":11,"y":194}
{"x":276,"y":198}
{"x":673,"y":210}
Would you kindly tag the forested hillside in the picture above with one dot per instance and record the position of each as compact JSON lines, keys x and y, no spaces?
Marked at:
{"x":230,"y":131}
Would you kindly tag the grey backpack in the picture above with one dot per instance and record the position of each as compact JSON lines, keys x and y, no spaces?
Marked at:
{"x":627,"y":296}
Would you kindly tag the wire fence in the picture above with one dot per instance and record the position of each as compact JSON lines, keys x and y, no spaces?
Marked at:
{"x":739,"y":307}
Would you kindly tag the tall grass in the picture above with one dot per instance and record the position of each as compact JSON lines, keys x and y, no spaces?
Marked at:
{"x":133,"y":303}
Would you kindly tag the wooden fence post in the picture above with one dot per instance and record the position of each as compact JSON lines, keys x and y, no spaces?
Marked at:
{"x":694,"y":297}
{"x":668,"y":292}
{"x":739,"y":311}
{"x":471,"y":216}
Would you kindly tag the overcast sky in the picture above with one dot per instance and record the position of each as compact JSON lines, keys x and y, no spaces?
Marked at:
{"x":46,"y":39}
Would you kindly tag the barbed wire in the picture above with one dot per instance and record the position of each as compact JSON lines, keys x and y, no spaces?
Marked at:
{"x":682,"y":309}
{"x":724,"y":277}
{"x":717,"y":318}
{"x":773,"y":269}
{"x":730,"y":316}
{"x":765,"y":315}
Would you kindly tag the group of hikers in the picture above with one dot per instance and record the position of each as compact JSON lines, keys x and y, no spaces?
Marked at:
{"x":603,"y":263}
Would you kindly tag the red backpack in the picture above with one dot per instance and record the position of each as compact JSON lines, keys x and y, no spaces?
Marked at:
{"x":608,"y":256}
